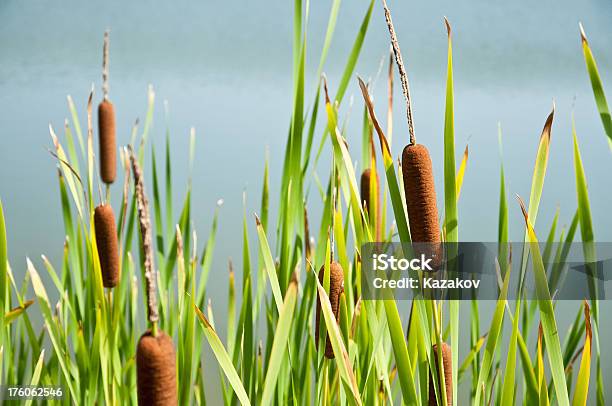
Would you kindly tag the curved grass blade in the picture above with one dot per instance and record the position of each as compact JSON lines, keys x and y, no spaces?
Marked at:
{"x":36,"y":374}
{"x":598,"y":92}
{"x":348,"y":181}
{"x":471,"y":356}
{"x":279,"y":345}
{"x":347,"y":73}
{"x":528,"y":371}
{"x":450,"y":180}
{"x":335,"y":337}
{"x":451,"y":225}
{"x":76,"y":123}
{"x":400,"y":352}
{"x":581,"y":391}
{"x":461,"y":171}
{"x":329,"y":34}
{"x":71,"y":177}
{"x":354,"y":55}
{"x":539,"y":171}
{"x":223,"y":358}
{"x":584,"y":207}
{"x":392,"y":181}
{"x":542,"y":388}
{"x":52,"y":328}
{"x":269,"y":264}
{"x":502,"y":225}
{"x":537,"y":184}
{"x":207,"y":256}
{"x":509,"y":386}
{"x":588,"y":246}
{"x":16,"y":312}
{"x":492,"y":338}
{"x":550,"y":240}
{"x":547,"y":315}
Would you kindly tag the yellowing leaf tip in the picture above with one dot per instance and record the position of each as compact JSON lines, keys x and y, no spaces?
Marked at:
{"x":325,"y":90}
{"x":448,"y":27}
{"x":583,"y":36}
{"x":523,"y":209}
{"x":587,"y":319}
{"x":547,"y":130}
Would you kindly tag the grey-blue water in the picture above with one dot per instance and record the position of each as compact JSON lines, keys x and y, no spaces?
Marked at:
{"x":225,"y":68}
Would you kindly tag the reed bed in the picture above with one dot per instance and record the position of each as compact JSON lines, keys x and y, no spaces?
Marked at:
{"x":273,"y":350}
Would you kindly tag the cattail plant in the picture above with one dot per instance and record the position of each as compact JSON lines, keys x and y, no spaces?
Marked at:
{"x":416,"y":166}
{"x":108,"y":246}
{"x":336,"y":276}
{"x":336,"y":288}
{"x":447,"y":362}
{"x":155,"y":355}
{"x":106,"y":125}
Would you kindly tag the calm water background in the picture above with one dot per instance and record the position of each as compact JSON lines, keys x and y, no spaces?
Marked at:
{"x":226,"y":70}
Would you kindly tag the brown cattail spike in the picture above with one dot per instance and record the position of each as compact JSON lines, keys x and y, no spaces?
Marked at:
{"x":447,"y":361}
{"x":108,"y":247}
{"x":336,"y":288}
{"x":372,"y":203}
{"x":420,"y":194}
{"x":156,"y":370}
{"x":108,"y":149}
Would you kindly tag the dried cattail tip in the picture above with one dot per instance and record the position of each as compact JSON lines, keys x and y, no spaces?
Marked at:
{"x":108,"y":247}
{"x":447,"y":360}
{"x":156,"y":370}
{"x":420,"y":194}
{"x":108,"y":149}
{"x":366,"y":178}
{"x":336,"y":288}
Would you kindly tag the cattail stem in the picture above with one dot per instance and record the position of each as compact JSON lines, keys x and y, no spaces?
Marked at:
{"x":402,"y":72}
{"x":154,"y":329}
{"x":109,"y":295}
{"x":147,"y":242}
